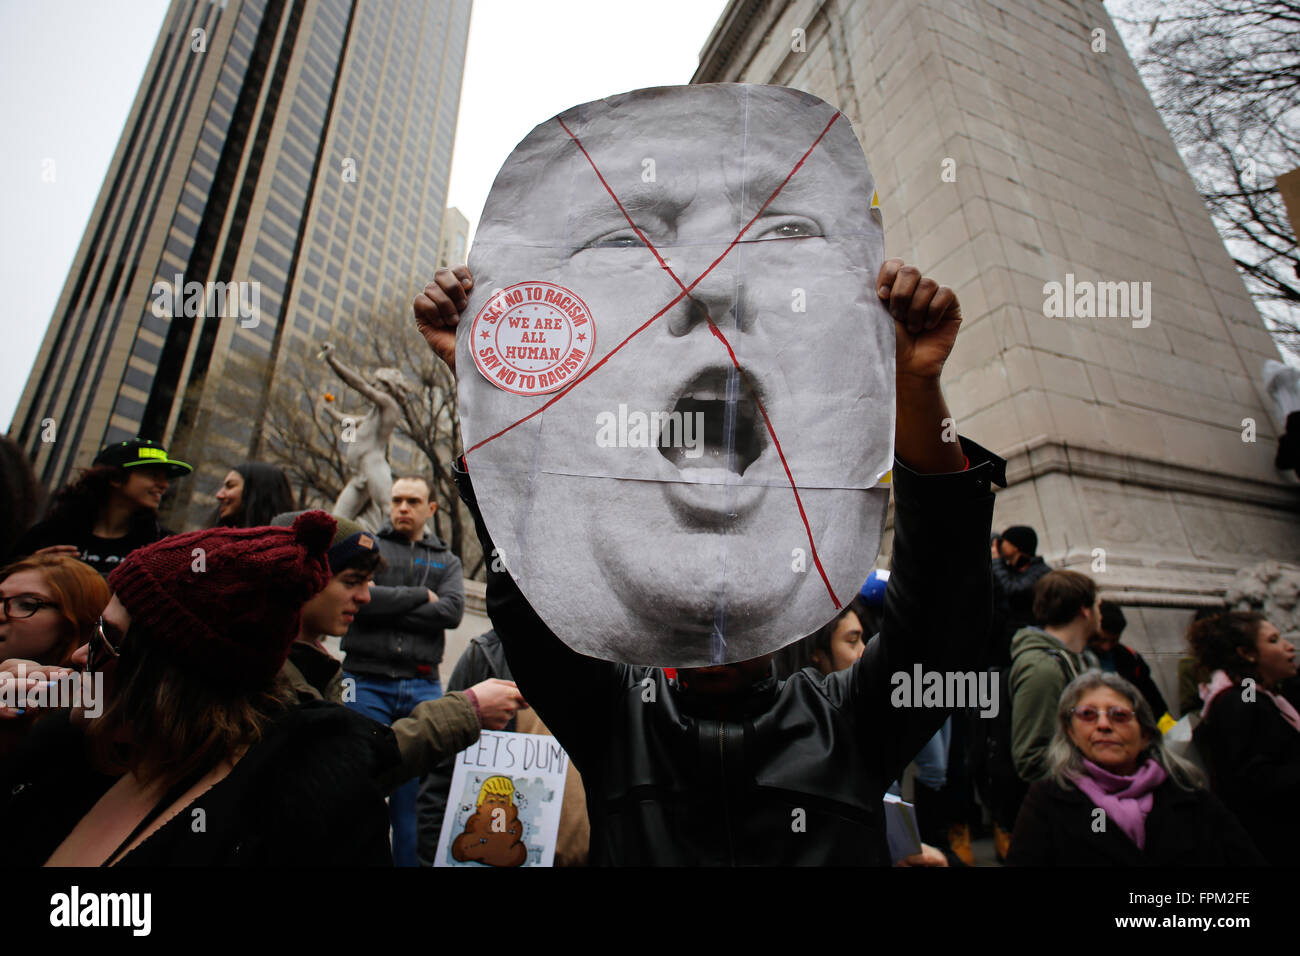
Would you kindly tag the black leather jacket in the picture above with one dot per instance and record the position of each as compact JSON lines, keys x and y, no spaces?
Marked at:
{"x":788,"y":772}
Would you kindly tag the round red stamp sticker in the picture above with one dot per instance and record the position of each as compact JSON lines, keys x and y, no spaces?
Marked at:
{"x":533,"y":338}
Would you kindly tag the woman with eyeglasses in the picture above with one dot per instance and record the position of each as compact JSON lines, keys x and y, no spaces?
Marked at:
{"x":1115,"y":796}
{"x":48,"y":606}
{"x":1249,"y":735}
{"x":201,"y":756}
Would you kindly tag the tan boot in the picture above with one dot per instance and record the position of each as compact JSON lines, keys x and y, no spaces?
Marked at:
{"x":959,"y":843}
{"x":1001,"y":843}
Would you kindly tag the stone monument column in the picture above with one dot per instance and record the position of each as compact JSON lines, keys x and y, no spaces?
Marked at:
{"x":1015,"y":147}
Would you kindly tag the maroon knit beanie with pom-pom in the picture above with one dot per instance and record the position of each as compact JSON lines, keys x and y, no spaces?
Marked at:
{"x":226,"y":602}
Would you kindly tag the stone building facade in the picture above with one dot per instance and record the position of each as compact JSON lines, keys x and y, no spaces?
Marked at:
{"x":1014,"y":146}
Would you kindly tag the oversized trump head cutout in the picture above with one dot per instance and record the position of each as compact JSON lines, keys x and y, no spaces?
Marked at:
{"x":676,"y":379}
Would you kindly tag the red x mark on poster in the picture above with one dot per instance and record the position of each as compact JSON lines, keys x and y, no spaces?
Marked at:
{"x":686,"y":293}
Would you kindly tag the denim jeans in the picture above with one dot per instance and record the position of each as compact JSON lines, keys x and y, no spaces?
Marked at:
{"x":387,"y":700}
{"x":932,"y":761}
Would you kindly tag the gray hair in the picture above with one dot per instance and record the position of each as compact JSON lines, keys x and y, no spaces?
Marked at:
{"x":1065,"y":761}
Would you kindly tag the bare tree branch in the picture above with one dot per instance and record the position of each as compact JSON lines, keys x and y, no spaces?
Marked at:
{"x":1225,"y":75}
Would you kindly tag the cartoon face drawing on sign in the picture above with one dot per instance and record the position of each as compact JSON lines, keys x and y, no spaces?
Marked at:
{"x":678,"y":390}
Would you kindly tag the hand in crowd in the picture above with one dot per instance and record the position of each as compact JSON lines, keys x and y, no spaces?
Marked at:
{"x":71,"y":550}
{"x":18,"y":676}
{"x":498,"y":701}
{"x":926,"y":318}
{"x":929,"y":856}
{"x":438,"y":308}
{"x":432,"y":596}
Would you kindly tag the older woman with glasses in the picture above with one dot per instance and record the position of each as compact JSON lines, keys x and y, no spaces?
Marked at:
{"x":1115,"y":797}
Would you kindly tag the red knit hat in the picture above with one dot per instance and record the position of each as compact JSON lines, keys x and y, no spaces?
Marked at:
{"x":227,"y":601}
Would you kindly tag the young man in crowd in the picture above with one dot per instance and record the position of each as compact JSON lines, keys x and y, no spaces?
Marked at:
{"x":725,"y":765}
{"x":394,"y":645}
{"x":434,"y":729}
{"x":1046,"y":658}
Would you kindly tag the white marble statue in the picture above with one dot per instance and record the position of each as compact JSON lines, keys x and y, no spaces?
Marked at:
{"x":1283,"y":385}
{"x":365,"y":498}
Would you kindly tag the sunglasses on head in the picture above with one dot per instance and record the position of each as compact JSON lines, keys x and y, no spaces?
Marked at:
{"x":1116,"y":715}
{"x":105,"y":645}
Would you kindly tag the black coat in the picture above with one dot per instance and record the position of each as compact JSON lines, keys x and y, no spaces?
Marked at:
{"x":1253,"y":754}
{"x":788,"y":772}
{"x":102,"y":554}
{"x":303,"y":796}
{"x":1013,"y":604}
{"x":1184,"y":828}
{"x":1130,"y":665}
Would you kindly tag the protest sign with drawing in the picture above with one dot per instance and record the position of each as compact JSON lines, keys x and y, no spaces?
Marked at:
{"x":503,"y":808}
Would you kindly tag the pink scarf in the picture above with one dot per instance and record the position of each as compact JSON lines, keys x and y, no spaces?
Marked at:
{"x":1126,"y":800}
{"x":1220,"y":681}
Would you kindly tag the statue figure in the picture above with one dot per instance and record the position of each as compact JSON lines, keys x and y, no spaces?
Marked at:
{"x":365,"y":498}
{"x":1282,"y":383}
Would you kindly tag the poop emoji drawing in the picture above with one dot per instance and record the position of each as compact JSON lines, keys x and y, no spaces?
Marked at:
{"x":493,"y":834}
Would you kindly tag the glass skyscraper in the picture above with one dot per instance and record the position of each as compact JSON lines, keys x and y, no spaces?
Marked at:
{"x":297,"y":150}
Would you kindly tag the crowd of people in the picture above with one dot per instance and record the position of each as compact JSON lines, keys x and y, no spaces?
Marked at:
{"x":214,"y":724}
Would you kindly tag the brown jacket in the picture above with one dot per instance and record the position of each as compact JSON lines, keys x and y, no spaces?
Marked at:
{"x":435,"y":729}
{"x":574,"y":836}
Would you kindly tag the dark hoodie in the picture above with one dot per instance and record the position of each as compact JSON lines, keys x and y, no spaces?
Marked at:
{"x":1013,"y":603}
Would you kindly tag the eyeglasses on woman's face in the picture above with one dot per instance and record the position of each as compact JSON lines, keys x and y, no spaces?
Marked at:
{"x":1116,"y":715}
{"x":20,"y":606}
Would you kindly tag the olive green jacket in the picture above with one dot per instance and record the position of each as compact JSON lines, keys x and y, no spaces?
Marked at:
{"x":1041,"y":666}
{"x":434,"y":731}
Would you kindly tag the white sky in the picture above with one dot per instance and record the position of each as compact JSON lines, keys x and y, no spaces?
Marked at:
{"x":69,"y":71}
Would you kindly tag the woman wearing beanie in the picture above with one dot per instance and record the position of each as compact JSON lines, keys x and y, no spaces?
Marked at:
{"x":199,"y":757}
{"x":1115,"y":796}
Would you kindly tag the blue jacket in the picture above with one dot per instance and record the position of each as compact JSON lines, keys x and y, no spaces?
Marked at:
{"x":400,"y":633}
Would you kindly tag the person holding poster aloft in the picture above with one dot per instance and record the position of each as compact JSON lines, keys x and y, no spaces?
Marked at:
{"x":618,"y":560}
{"x":814,"y":796}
